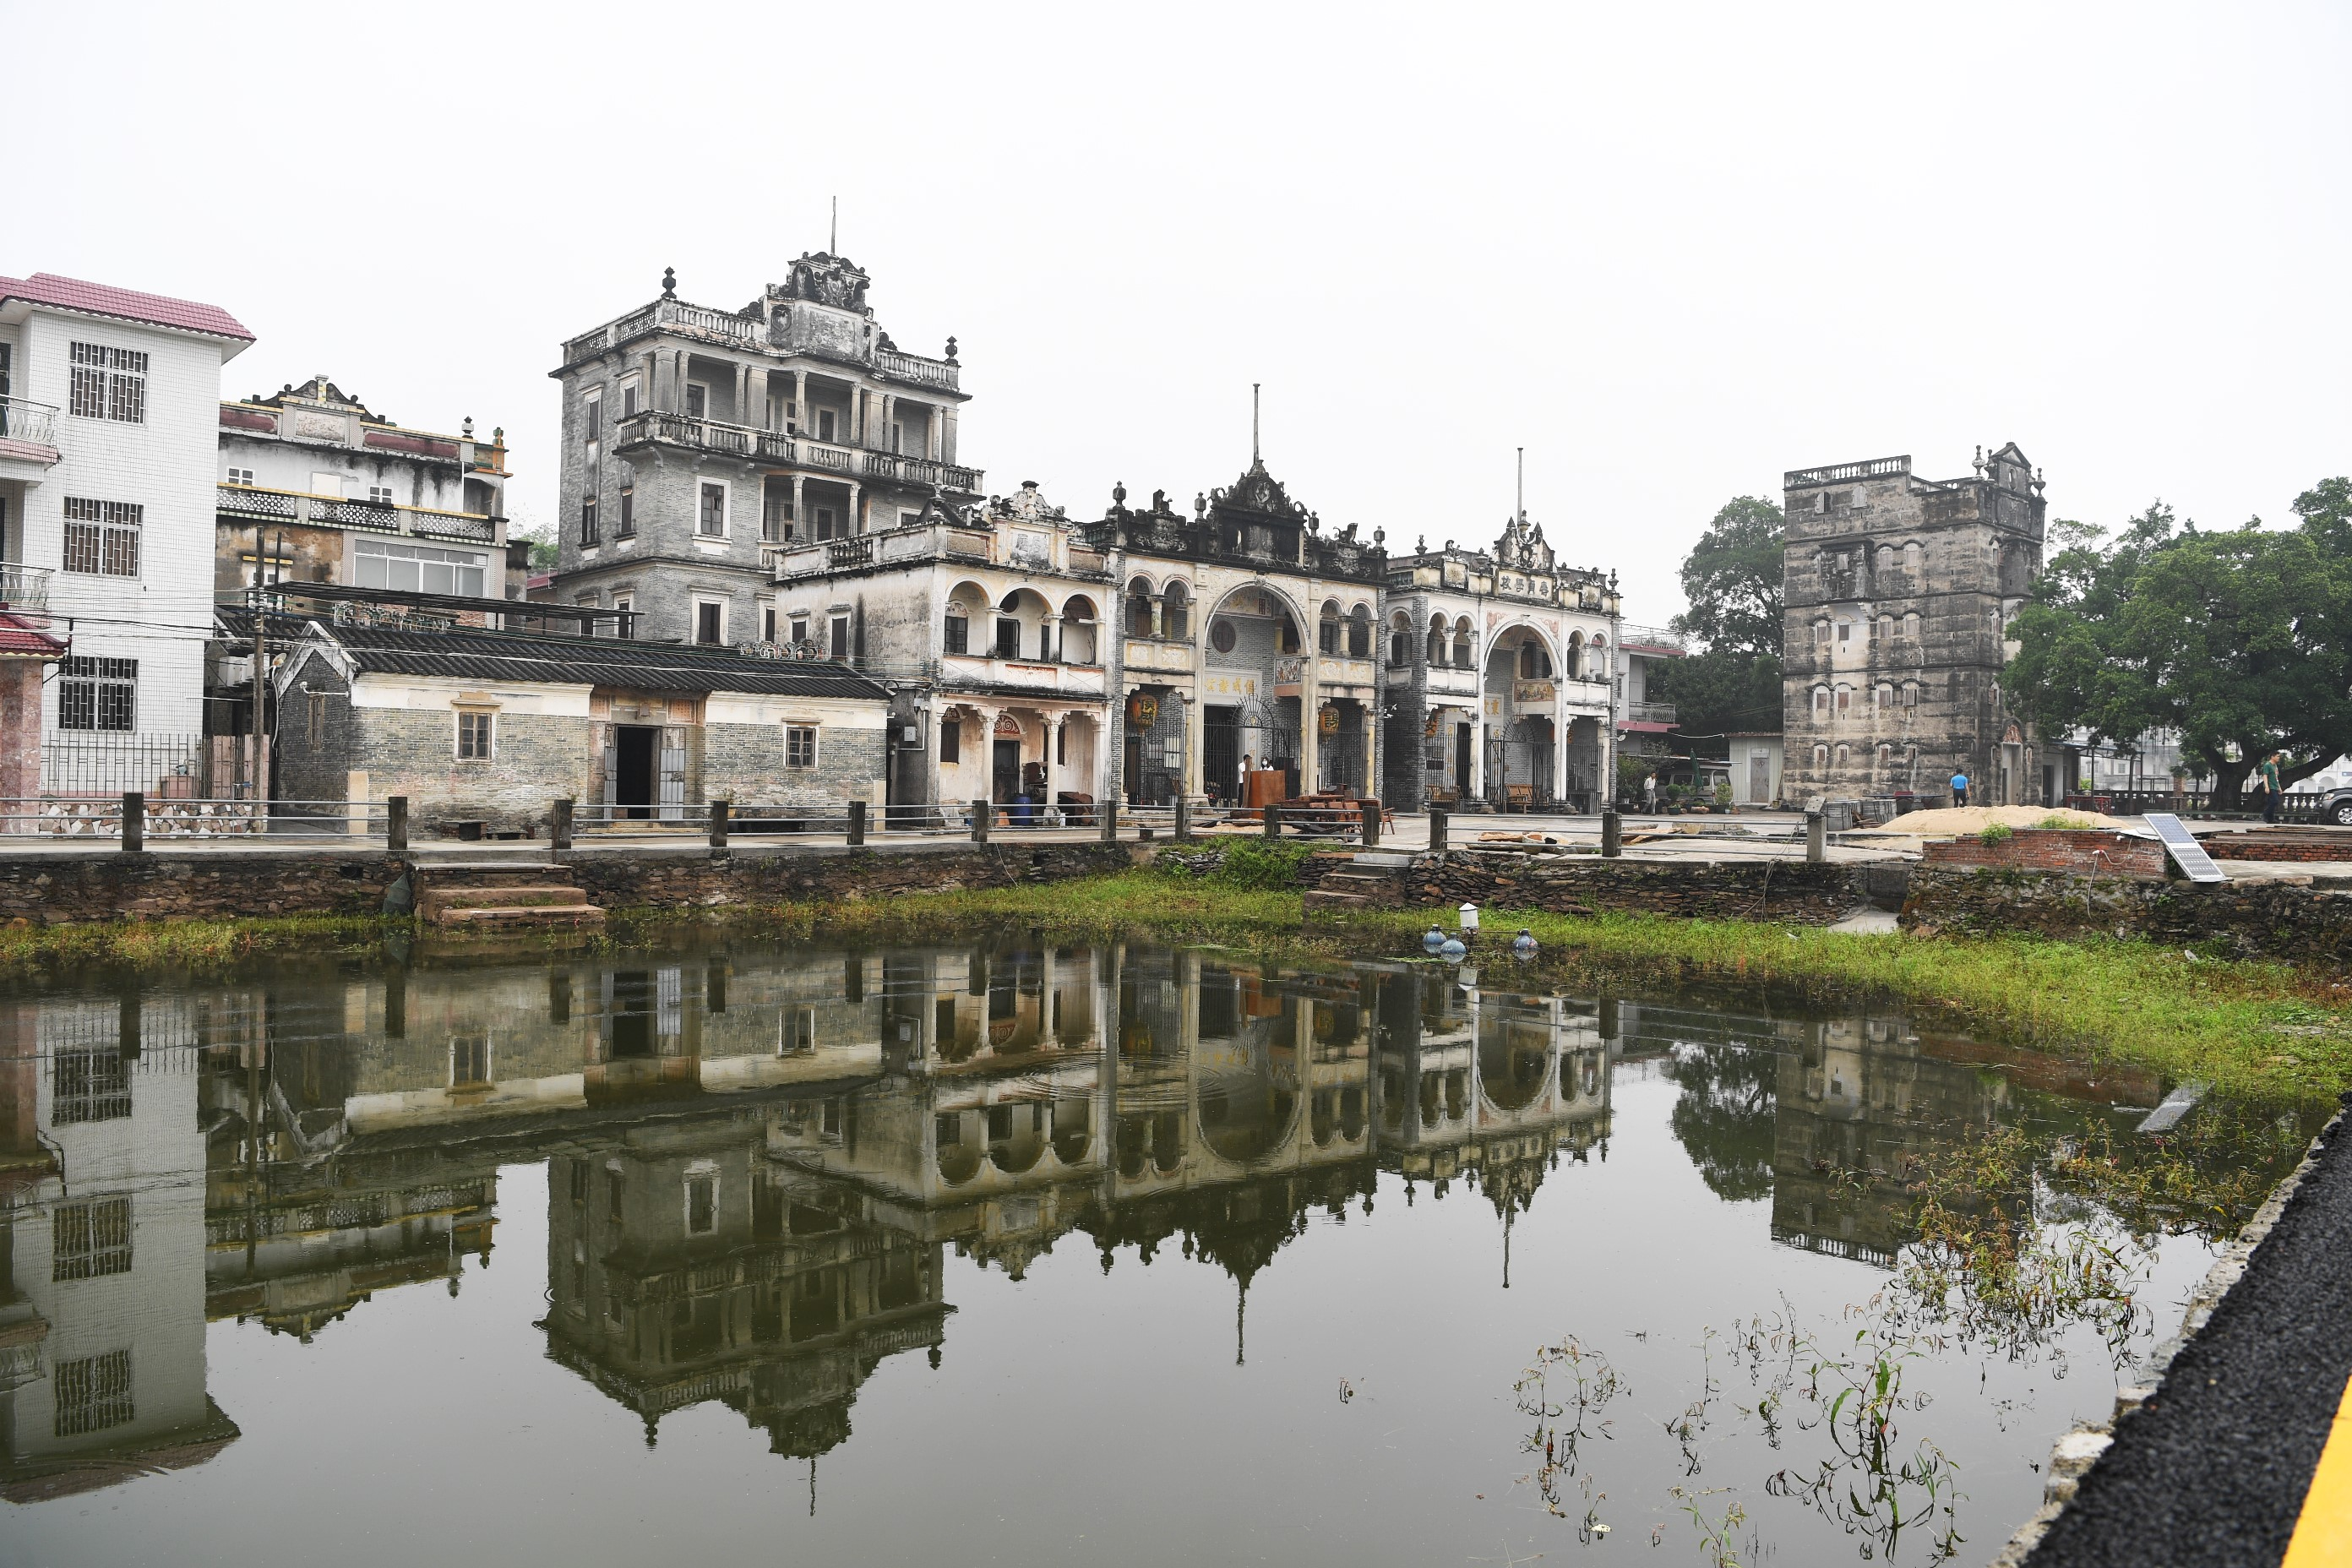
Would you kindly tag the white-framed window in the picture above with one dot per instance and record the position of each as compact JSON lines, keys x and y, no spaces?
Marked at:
{"x":1881,"y":697}
{"x":799,"y":745}
{"x":92,"y":1394}
{"x":710,"y":621}
{"x":1885,"y":629}
{"x":797,"y":1031}
{"x":98,"y":694}
{"x":1911,"y":555}
{"x":628,"y":398}
{"x":1846,"y":631}
{"x":622,"y":626}
{"x":1911,"y":626}
{"x":417,"y":568}
{"x":592,"y":418}
{"x":1821,"y":633}
{"x":381,"y":494}
{"x":1821,"y":701}
{"x":476,"y":735}
{"x":799,"y":628}
{"x":767,"y":622}
{"x":1844,"y":699}
{"x":102,"y":536}
{"x":710,"y":512}
{"x":239,"y":477}
{"x":109,"y":383}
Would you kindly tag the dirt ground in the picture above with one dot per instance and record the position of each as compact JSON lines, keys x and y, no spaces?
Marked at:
{"x":1952,"y":821}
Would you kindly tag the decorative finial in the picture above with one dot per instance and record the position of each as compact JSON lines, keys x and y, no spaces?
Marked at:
{"x":670,"y":283}
{"x":952,"y":352}
{"x":469,"y":426}
{"x":1421,"y":545}
{"x":1313,"y":524}
{"x":1118,"y":492}
{"x":1380,"y":537}
{"x":1200,"y":505}
{"x":497,"y":435}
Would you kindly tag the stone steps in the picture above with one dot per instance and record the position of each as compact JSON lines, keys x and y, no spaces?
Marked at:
{"x":486,"y":895}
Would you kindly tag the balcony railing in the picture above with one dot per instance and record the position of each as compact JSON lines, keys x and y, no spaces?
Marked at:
{"x":743,"y":331}
{"x":1652,"y":639}
{"x":1649,"y":713}
{"x":32,"y":424}
{"x":372,"y":517}
{"x":750,"y":442}
{"x":1877,"y":468}
{"x":909,"y":367}
{"x":24,"y":587}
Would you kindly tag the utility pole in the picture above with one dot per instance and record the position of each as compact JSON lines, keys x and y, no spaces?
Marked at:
{"x":260,"y":656}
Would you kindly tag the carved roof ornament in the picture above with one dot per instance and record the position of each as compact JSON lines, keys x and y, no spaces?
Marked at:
{"x":1028,"y":506}
{"x":1259,"y":491}
{"x":1522,"y":546}
{"x":824,"y":278}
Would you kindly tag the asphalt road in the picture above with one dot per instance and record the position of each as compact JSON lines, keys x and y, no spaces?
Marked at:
{"x":2213,"y":1469}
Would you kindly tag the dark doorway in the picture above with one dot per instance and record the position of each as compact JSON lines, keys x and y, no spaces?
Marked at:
{"x":1132,"y":773}
{"x":1461,"y":762}
{"x":631,"y":1017}
{"x":635,"y":749}
{"x":1006,"y":770}
{"x":1221,"y":751}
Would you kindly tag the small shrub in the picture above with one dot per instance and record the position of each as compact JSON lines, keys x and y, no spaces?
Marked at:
{"x":1994,"y":833}
{"x":2061,"y":819}
{"x":1261,"y":864}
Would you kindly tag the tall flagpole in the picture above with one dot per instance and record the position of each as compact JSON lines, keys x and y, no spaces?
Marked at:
{"x":1254,"y":455}
{"x":1522,"y":511}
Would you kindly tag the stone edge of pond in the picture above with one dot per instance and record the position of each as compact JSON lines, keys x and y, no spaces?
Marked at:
{"x":2071,"y":1457}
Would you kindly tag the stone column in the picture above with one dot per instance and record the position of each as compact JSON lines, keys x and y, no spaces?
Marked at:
{"x":889,"y":416}
{"x":855,"y":521}
{"x":743,"y":395}
{"x":1049,"y":644}
{"x":798,"y":529}
{"x":947,"y":433}
{"x":1191,"y":783}
{"x":800,"y":418}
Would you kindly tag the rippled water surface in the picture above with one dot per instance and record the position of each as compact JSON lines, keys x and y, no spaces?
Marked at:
{"x":996,"y":1253}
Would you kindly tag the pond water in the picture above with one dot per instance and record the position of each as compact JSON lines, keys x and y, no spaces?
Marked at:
{"x":1006,"y":1252}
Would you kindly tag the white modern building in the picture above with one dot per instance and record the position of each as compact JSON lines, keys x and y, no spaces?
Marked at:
{"x":108,"y":459}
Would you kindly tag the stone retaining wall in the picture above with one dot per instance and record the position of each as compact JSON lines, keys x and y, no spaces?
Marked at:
{"x":2288,"y":920}
{"x":684,"y":878}
{"x":1793,"y":891}
{"x":61,"y":890}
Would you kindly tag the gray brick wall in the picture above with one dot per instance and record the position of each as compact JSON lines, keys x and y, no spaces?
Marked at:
{"x":745,"y":763}
{"x":413,"y":752}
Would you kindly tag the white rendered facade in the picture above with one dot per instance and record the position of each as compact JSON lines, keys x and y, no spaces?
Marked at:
{"x":119,"y":514}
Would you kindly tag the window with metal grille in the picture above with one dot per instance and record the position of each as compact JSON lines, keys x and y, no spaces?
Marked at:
{"x":102,"y":536}
{"x":98,"y":694}
{"x":713,"y":516}
{"x":93,"y":1393}
{"x":381,"y":495}
{"x":799,"y":745}
{"x":91,"y":1085}
{"x":90,"y":1239}
{"x":418,"y":568}
{"x":109,"y":383}
{"x":240,"y":476}
{"x":475,"y":732}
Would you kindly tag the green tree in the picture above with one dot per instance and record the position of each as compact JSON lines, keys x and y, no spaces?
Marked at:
{"x":1732,"y":578}
{"x":2239,"y":641}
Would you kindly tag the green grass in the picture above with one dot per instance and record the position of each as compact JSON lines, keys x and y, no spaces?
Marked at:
{"x":2250,"y":1029}
{"x":204,"y":946}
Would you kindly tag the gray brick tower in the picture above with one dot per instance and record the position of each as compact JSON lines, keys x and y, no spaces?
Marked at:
{"x":1898,"y":594}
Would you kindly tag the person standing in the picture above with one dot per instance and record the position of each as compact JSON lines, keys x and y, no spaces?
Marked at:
{"x":2270,"y":775}
{"x":1650,"y":792}
{"x":1960,"y":786}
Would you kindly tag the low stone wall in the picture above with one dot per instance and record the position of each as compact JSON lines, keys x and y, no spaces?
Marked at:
{"x":689,"y":879}
{"x":2308,"y":851}
{"x":62,"y":890}
{"x":1794,"y":891}
{"x":2091,"y":851}
{"x":2285,"y":920}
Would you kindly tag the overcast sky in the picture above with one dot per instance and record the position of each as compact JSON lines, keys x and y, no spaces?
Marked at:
{"x":1671,"y":251}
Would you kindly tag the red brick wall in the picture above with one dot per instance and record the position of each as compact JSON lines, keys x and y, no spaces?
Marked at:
{"x":2231,"y":846}
{"x":2086,"y":851}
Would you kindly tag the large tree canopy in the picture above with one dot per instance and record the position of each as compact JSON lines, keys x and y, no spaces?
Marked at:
{"x":1732,"y":579}
{"x":2240,"y":640}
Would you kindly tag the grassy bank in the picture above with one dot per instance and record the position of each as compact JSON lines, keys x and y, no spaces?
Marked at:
{"x":2250,"y":1028}
{"x":204,"y":946}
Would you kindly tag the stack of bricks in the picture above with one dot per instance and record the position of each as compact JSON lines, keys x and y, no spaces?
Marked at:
{"x":2084,"y":852}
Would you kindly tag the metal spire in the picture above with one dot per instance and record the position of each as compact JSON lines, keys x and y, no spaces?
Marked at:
{"x":833,"y":234}
{"x":1254,"y":455}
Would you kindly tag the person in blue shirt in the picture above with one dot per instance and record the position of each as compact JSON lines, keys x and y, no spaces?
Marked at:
{"x":1960,"y":788}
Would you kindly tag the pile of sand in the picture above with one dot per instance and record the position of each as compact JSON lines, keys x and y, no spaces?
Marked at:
{"x":1954,"y":821}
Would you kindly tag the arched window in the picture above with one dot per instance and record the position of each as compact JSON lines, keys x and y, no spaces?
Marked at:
{"x":1462,"y":660}
{"x":1399,"y":640}
{"x":1820,"y":634}
{"x":1884,"y":559}
{"x":1327,"y":628}
{"x":1575,"y":655}
{"x":1844,"y":701}
{"x":1437,"y":640}
{"x":1079,"y":644}
{"x":1882,"y":696}
{"x":1175,"y":619}
{"x":1820,"y":760}
{"x":1912,"y":555}
{"x":1911,"y":626}
{"x":1885,"y":759}
{"x":1360,"y":632}
{"x":1008,"y":627}
{"x":1886,"y":629}
{"x":1138,"y":607}
{"x":1843,"y":753}
{"x":1821,"y":701}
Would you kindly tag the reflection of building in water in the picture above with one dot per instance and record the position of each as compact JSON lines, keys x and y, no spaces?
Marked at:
{"x":101,"y":1251}
{"x":1476,"y":1080}
{"x":1861,"y":1096}
{"x":684,"y":1265}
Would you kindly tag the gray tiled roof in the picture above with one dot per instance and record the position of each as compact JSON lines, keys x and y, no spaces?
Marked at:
{"x":513,"y":657}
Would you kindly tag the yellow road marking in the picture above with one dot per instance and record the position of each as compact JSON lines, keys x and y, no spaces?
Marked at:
{"x":2323,"y":1532}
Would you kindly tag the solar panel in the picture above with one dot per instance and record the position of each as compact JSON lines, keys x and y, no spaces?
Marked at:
{"x":2187,"y":853}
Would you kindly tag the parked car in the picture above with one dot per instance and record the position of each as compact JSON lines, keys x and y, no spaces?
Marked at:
{"x":2336,"y":807}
